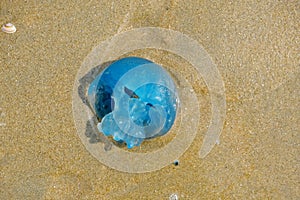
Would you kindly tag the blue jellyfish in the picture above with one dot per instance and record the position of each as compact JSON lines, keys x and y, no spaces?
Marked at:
{"x":134,"y":99}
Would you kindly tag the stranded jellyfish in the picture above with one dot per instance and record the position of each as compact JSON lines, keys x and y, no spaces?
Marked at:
{"x":134,"y":99}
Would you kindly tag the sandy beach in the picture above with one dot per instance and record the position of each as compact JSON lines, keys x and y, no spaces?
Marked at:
{"x":255,"y":47}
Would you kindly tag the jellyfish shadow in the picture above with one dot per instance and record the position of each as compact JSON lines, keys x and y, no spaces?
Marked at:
{"x":91,"y":125}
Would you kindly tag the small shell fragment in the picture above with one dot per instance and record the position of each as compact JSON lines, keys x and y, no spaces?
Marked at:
{"x":173,"y":197}
{"x":8,"y":28}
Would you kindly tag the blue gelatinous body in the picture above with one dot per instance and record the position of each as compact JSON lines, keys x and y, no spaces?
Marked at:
{"x":135,"y":99}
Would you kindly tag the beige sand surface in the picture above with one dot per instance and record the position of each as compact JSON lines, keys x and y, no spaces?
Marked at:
{"x":256,"y":48}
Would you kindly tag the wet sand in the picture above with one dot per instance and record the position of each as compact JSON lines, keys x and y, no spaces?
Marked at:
{"x":255,"y":47}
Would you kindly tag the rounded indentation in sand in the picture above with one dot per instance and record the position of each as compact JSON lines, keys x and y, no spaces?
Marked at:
{"x":176,"y":43}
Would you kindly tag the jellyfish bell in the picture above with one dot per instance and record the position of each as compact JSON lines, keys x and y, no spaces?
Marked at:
{"x":135,"y":99}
